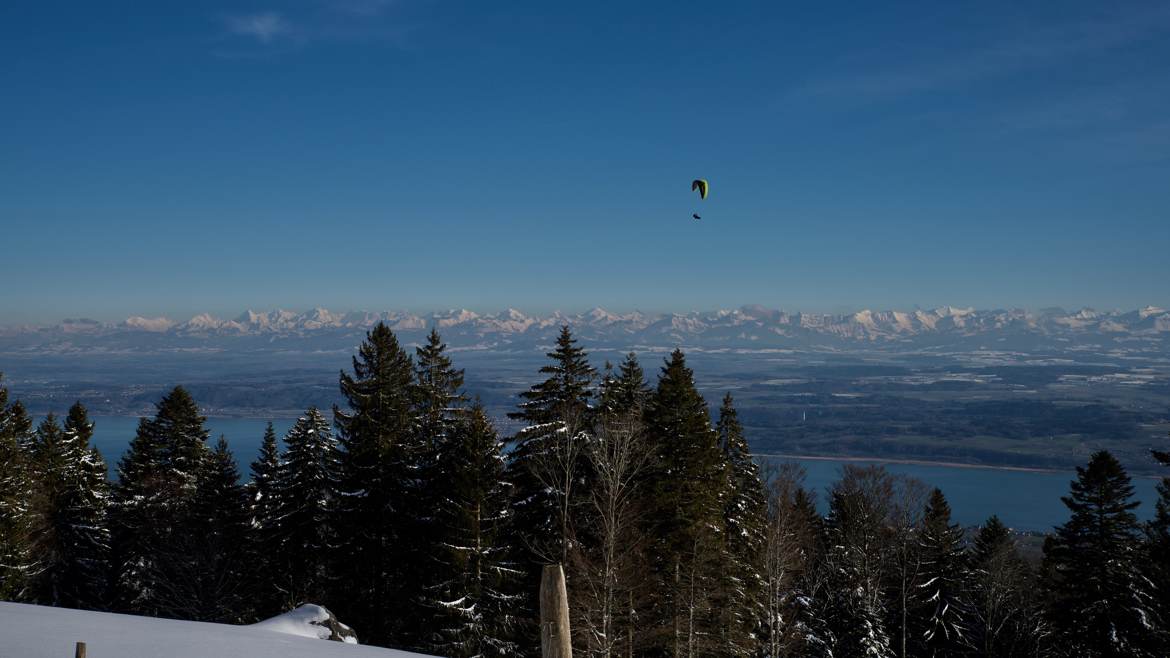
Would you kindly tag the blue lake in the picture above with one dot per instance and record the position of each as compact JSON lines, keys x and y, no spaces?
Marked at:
{"x":1023,"y":499}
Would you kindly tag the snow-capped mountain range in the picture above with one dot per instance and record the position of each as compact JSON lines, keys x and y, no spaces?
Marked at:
{"x":746,"y":327}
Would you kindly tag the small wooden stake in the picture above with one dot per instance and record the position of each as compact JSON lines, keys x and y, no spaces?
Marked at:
{"x":80,"y":651}
{"x":555,"y":641}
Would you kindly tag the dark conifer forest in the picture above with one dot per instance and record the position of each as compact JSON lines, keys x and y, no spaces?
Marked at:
{"x":408,"y":515}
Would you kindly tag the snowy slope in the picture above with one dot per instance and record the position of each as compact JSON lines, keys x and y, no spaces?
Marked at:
{"x":31,"y":631}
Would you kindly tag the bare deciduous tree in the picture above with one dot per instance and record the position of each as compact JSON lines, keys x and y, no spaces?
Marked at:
{"x":608,"y":566}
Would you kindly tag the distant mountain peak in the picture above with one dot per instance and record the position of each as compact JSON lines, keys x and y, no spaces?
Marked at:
{"x":750,"y":326}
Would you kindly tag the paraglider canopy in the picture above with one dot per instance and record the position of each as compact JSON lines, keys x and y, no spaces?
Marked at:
{"x":700,"y":184}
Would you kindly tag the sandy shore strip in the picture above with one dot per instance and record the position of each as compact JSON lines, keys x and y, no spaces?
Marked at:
{"x":909,"y":462}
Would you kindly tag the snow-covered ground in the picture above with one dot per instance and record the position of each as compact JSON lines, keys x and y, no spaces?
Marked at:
{"x":33,"y":631}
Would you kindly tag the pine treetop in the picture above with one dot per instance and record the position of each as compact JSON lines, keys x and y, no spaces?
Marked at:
{"x":731,"y":437}
{"x":379,"y":417}
{"x":627,"y":391}
{"x":992,"y":539}
{"x":268,"y":460}
{"x":1101,"y":502}
{"x":567,"y":391}
{"x":691,"y":470}
{"x":438,"y":391}
{"x":78,"y":424}
{"x":936,"y":522}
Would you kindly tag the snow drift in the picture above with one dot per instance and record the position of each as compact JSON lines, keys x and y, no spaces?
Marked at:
{"x":32,"y":631}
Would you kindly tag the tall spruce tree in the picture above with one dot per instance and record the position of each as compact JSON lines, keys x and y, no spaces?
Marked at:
{"x":625,"y":391}
{"x":1158,"y":563}
{"x":745,"y":512}
{"x":202,"y":571}
{"x":1101,"y":603}
{"x":474,"y":597}
{"x":153,"y":501}
{"x":438,"y":403}
{"x":853,"y":610}
{"x":1158,"y":555}
{"x":71,"y":532}
{"x":264,"y":517}
{"x":688,"y":480}
{"x":547,"y":467}
{"x":547,"y":461}
{"x":306,"y":496}
{"x":377,"y":585}
{"x":17,"y":564}
{"x":939,"y":620}
{"x":438,"y":392}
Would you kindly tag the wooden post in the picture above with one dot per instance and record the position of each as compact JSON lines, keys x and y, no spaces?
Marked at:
{"x":555,"y":641}
{"x":79,"y":652}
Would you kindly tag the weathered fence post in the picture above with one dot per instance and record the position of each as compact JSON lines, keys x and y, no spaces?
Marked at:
{"x":79,"y":652}
{"x":555,"y":641}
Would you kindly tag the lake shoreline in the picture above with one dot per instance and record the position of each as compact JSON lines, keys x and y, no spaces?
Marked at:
{"x":912,"y":462}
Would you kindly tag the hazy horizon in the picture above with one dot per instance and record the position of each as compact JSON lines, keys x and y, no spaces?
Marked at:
{"x":222,"y":314}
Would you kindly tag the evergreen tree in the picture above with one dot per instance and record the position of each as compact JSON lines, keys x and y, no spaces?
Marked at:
{"x":438,"y":402}
{"x":201,"y":572}
{"x":745,"y":518}
{"x":547,"y":467}
{"x":264,"y":516}
{"x":16,"y":493}
{"x":688,"y":500}
{"x":71,"y":535}
{"x":306,"y":493}
{"x":852,"y":610}
{"x":1101,"y":603}
{"x":153,"y":498}
{"x":627,"y":390}
{"x":1158,"y":555}
{"x":378,"y":586}
{"x":546,"y":462}
{"x":438,"y":394}
{"x":474,"y":599}
{"x":940,"y":615}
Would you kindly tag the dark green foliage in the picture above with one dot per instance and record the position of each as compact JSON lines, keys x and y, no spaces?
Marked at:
{"x":563,"y":398}
{"x":306,"y":492}
{"x":1101,"y":605}
{"x":852,"y":607}
{"x":745,"y":518}
{"x":474,"y":597}
{"x":377,"y":586}
{"x":70,"y":532}
{"x":547,"y":466}
{"x":264,"y":514}
{"x":16,"y":498}
{"x":438,"y":403}
{"x":940,"y":618}
{"x":153,"y":501}
{"x":626,"y":391}
{"x":687,"y":486}
{"x":438,"y":392}
{"x":203,"y":569}
{"x":1158,"y":554}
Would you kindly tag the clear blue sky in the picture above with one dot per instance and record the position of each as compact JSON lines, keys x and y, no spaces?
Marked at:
{"x":176,"y":157}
